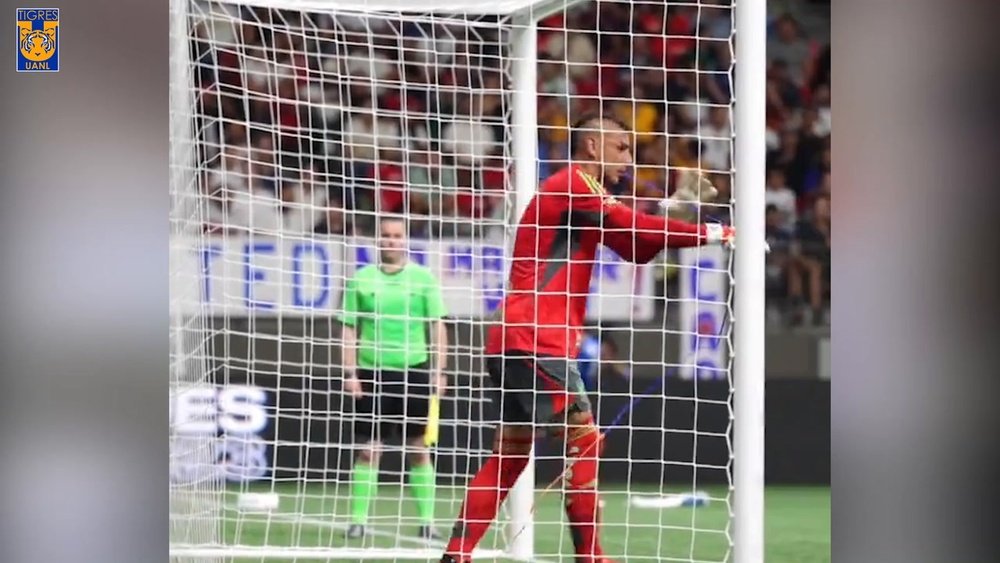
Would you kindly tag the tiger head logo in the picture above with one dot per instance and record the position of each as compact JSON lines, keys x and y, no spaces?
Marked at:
{"x":38,"y":44}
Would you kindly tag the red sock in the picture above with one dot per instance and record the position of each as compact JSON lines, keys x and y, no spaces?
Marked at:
{"x":486,"y":492}
{"x":583,"y":447}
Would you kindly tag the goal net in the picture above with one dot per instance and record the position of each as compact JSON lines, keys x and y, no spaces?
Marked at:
{"x":296,"y":125}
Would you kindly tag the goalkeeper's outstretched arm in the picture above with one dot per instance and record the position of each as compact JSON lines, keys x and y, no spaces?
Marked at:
{"x":602,"y":150}
{"x":638,"y":237}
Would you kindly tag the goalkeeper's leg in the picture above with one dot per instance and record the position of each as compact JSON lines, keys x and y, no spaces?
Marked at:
{"x":488,"y":489}
{"x":584,"y":444}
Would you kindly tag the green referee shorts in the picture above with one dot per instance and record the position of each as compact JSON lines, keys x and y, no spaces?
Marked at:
{"x":536,"y":390}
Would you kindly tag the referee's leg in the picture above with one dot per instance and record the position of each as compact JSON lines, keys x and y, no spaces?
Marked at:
{"x":422,"y":477}
{"x":364,"y":474}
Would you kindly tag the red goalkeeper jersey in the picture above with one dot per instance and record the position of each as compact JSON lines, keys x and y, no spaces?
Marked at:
{"x":555,"y":247}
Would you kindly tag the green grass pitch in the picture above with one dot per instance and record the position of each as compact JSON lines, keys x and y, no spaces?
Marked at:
{"x":315,"y":515}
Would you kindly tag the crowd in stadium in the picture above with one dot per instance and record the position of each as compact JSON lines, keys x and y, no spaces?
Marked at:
{"x":306,"y":128}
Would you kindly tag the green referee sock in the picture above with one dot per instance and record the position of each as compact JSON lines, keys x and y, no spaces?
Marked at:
{"x":422,"y":484}
{"x":364,"y":483}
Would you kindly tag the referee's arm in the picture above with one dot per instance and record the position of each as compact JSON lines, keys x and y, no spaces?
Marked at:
{"x":436,"y":313}
{"x":349,"y":334}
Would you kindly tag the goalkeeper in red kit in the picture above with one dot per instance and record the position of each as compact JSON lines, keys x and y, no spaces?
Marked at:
{"x":529,"y":353}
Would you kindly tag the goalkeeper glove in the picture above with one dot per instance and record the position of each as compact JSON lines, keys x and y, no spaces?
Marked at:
{"x":724,"y":234}
{"x":693,"y":187}
{"x":716,"y":233}
{"x":697,"y":184}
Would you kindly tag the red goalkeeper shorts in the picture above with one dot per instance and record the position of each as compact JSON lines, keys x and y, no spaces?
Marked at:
{"x":540,"y":390}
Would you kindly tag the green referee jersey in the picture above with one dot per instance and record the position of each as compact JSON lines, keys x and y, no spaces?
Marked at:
{"x":390,"y":313}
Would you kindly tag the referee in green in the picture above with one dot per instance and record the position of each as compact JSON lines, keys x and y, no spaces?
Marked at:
{"x":395,"y":351}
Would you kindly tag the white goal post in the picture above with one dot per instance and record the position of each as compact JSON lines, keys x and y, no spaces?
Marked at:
{"x":748,"y":516}
{"x":199,"y":504}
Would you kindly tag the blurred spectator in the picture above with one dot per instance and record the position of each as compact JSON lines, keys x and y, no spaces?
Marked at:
{"x":554,"y":78}
{"x":333,"y":220}
{"x":651,"y":168}
{"x":577,"y":49}
{"x":684,"y":89}
{"x":778,"y":195}
{"x":259,"y":71}
{"x":812,"y":260}
{"x":825,"y":185}
{"x":723,"y":201}
{"x":790,"y":46}
{"x":680,"y":152}
{"x":821,"y":72}
{"x":432,"y":183}
{"x":821,"y":100}
{"x":717,"y":81}
{"x":641,"y":116}
{"x":493,"y":180}
{"x":263,"y":174}
{"x":778,"y":264}
{"x":367,"y":66}
{"x":783,"y":156}
{"x":324,"y":100}
{"x":678,"y":43}
{"x":808,"y":163}
{"x":651,"y":181}
{"x":783,"y":95}
{"x":716,"y":140}
{"x":480,"y":191}
{"x":305,"y":200}
{"x":467,"y":138}
{"x":551,"y":157}
{"x":228,"y":176}
{"x":716,"y":19}
{"x":434,"y":46}
{"x":254,"y":209}
{"x":553,"y":131}
{"x":390,"y":182}
{"x":365,"y":133}
{"x":650,"y":87}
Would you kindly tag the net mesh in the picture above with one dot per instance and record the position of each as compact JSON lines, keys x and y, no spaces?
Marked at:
{"x":301,"y":124}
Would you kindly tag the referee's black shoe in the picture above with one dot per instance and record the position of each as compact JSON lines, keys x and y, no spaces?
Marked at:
{"x":429,"y":533}
{"x":355,"y":532}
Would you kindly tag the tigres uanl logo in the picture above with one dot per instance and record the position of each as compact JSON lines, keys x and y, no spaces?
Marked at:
{"x":37,"y":40}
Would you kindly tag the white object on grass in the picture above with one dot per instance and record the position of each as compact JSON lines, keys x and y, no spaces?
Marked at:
{"x":257,"y":502}
{"x":698,"y":498}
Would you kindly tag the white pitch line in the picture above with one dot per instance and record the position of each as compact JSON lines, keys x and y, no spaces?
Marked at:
{"x":333,"y":524}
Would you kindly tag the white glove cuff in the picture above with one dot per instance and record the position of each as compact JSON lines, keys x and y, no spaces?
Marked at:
{"x":713,"y":233}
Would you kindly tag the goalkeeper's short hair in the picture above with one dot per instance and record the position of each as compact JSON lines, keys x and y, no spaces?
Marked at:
{"x":588,"y":123}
